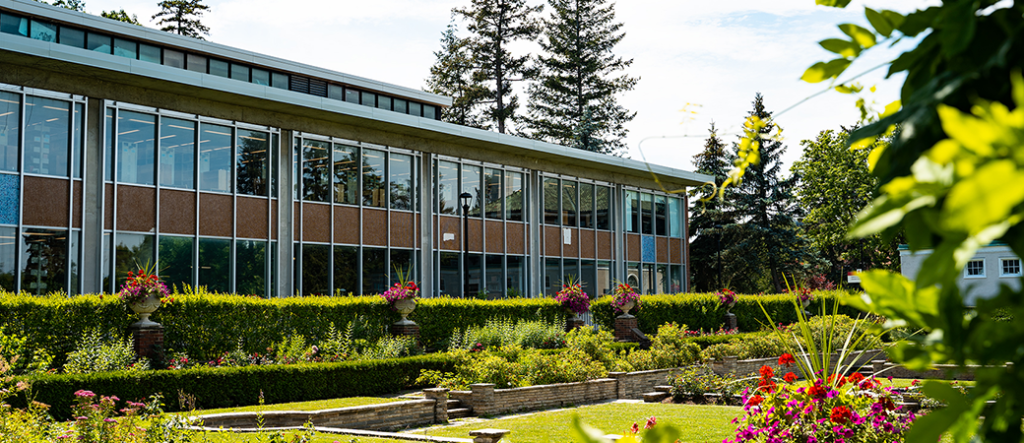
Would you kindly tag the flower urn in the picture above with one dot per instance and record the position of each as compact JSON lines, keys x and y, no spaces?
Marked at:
{"x":626,"y":307}
{"x":405,"y":307}
{"x":145,"y":308}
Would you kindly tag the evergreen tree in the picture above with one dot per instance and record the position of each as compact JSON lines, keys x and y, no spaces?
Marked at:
{"x":580,"y":78}
{"x":495,"y":24}
{"x":74,"y":5}
{"x":121,"y":16}
{"x":182,"y":17}
{"x":712,"y":225}
{"x":452,"y":75}
{"x":774,"y":248}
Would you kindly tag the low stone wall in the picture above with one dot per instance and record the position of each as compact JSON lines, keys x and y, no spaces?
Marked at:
{"x":730,"y":365}
{"x":485,"y":400}
{"x":941,"y":372}
{"x":633,"y":385}
{"x":386,"y":416}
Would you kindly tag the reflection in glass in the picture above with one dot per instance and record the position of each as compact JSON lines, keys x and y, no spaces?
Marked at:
{"x":149,"y":53}
{"x":675,"y":217}
{"x":515,"y":279}
{"x":219,"y":68}
{"x":136,"y":136}
{"x":401,"y":182}
{"x":46,"y":32}
{"x":132,"y":252}
{"x":646,"y":214}
{"x":273,"y":270}
{"x":604,"y":278}
{"x":74,"y":264}
{"x":239,"y":72}
{"x":661,"y":286}
{"x":215,"y":264}
{"x":633,"y":275}
{"x":675,"y":279}
{"x":402,"y":260}
{"x":108,"y":285}
{"x":586,"y":205}
{"x":260,"y":77}
{"x":47,"y":123}
{"x":373,"y":179}
{"x":252,"y":166}
{"x":472,"y":262}
{"x":430,"y":112}
{"x":660,"y":209}
{"x":415,"y":109}
{"x":494,"y":283}
{"x":400,"y":105}
{"x":125,"y":48}
{"x":514,"y":196}
{"x":570,"y":271}
{"x":214,"y":158}
{"x":176,"y":261}
{"x":632,"y":212}
{"x":375,"y":273}
{"x":471,"y":185}
{"x":72,"y":37}
{"x":346,"y":176}
{"x":10,"y":128}
{"x":492,"y":187}
{"x":551,"y":191}
{"x":346,"y":270}
{"x":648,"y":279}
{"x":569,"y":203}
{"x":108,"y":148}
{"x":552,"y":276}
{"x":384,"y":102}
{"x":602,"y":206}
{"x":251,"y":267}
{"x":98,"y":42}
{"x":275,"y":147}
{"x":367,"y":98}
{"x":588,"y":278}
{"x":352,"y":96}
{"x":12,"y":24}
{"x":77,"y":140}
{"x":177,"y":153}
{"x":44,"y":260}
{"x":447,"y":187}
{"x":279,"y":80}
{"x":196,"y":63}
{"x":174,"y":59}
{"x":451,"y":274}
{"x":316,"y":269}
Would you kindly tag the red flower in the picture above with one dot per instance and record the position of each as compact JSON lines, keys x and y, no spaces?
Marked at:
{"x":651,"y":421}
{"x":817,"y":391}
{"x":786,"y":359}
{"x":635,"y":428}
{"x":755,"y":400}
{"x":832,"y":378}
{"x":857,"y":377}
{"x":789,"y":377}
{"x":841,"y":415}
{"x":767,"y":371}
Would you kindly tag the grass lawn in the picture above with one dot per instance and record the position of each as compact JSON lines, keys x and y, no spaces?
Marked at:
{"x":305,"y":405}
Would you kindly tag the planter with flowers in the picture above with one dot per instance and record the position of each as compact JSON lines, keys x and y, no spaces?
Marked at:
{"x":143,"y":293}
{"x":728,"y":299}
{"x":805,"y":296}
{"x":402,"y":298}
{"x":625,"y":299}
{"x":574,"y":300}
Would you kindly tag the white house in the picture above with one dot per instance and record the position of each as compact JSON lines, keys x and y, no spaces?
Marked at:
{"x":991,"y":267}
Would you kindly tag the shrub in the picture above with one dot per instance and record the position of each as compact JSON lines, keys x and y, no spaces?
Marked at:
{"x":96,"y":353}
{"x":760,"y":346}
{"x":671,"y":348}
{"x":534,"y":334}
{"x":595,"y":345}
{"x":697,"y":380}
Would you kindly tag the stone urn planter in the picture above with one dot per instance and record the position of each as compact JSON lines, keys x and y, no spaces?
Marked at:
{"x":405,"y":307}
{"x":145,"y":308}
{"x":626,"y":307}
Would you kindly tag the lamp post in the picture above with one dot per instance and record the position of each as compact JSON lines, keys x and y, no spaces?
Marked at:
{"x":465,"y":197}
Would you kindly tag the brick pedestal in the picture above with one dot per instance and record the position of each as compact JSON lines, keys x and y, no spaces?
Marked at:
{"x":573,"y":323}
{"x":409,"y":329}
{"x":730,"y":321}
{"x":624,"y":325}
{"x":149,"y":341}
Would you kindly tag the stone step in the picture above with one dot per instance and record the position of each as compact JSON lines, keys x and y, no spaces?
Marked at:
{"x":452,"y":404}
{"x":663,"y":388}
{"x":459,"y":413}
{"x":654,"y":397}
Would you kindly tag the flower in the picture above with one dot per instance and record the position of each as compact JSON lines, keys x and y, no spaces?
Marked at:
{"x":85,"y":394}
{"x":817,"y":391}
{"x":766,"y":371}
{"x":855,"y":378}
{"x":573,"y":298}
{"x":789,"y":377}
{"x":726,"y":297}
{"x":140,"y":285}
{"x":635,"y":429}
{"x":786,"y":359}
{"x":840,"y":415}
{"x":625,"y":294}
{"x":755,"y":400}
{"x":651,"y":421}
{"x":401,"y":291}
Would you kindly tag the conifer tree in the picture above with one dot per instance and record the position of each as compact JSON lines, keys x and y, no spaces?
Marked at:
{"x":579,"y":79}
{"x":121,"y":16}
{"x":452,"y":75}
{"x":182,"y":17}
{"x":494,"y":25}
{"x":712,"y":225}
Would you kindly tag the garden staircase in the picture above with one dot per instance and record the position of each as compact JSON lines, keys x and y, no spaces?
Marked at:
{"x":455,"y":410}
{"x":660,"y":393}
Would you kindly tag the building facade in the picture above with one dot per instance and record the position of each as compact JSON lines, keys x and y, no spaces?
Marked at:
{"x":123,"y":146}
{"x":991,"y":268}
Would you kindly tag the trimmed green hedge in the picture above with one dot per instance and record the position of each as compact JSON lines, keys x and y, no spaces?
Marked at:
{"x":703,"y":311}
{"x":241,"y":386}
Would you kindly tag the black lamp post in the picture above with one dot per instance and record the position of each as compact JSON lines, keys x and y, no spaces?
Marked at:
{"x":465,"y":197}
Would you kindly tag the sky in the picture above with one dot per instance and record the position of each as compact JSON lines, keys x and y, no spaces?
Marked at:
{"x":698,"y":61}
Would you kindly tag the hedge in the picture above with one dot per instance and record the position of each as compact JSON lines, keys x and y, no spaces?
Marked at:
{"x":704,"y":311}
{"x":240,"y":386}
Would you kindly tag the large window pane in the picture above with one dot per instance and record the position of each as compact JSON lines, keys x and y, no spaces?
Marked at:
{"x":136,"y":136}
{"x":316,"y":269}
{"x":346,"y":270}
{"x":72,"y":37}
{"x":125,"y":48}
{"x":384,"y":102}
{"x":149,"y":53}
{"x":367,"y":98}
{"x":515,"y":280}
{"x":514,"y":196}
{"x":648,"y":279}
{"x":77,"y":140}
{"x":602,"y":206}
{"x":346,"y":177}
{"x":604,"y":278}
{"x":98,"y":42}
{"x":260,"y":77}
{"x":660,"y":214}
{"x":108,"y":148}
{"x":352,"y":96}
{"x":196,"y":63}
{"x":588,"y":278}
{"x":275,"y":148}
{"x":675,"y":217}
{"x":375,"y":273}
{"x":46,"y":32}
{"x":675,"y":278}
{"x":633,"y":275}
{"x":552,"y":276}
{"x":415,"y":109}
{"x":632,"y":211}
{"x":215,"y":264}
{"x":251,"y":267}
{"x":273,"y":270}
{"x":405,"y":261}
{"x":219,"y":68}
{"x":494,"y":283}
{"x":493,"y":190}
{"x":174,"y":59}
{"x":10,"y":130}
{"x":451,"y":274}
{"x":132,"y":252}
{"x":44,"y":260}
{"x":373,"y":179}
{"x":447,"y":187}
{"x":586,"y":205}
{"x":279,"y":80}
{"x":662,"y":284}
{"x":239,"y":72}
{"x":646,"y":214}
{"x":473,"y":263}
{"x":252,"y":166}
{"x":551,"y":192}
{"x":401,"y":182}
{"x":569,"y":203}
{"x":108,"y":285}
{"x":177,"y":153}
{"x":12,"y":24}
{"x":471,"y":184}
{"x":47,"y":123}
{"x":176,"y":261}
{"x":215,"y":158}
{"x":570,"y":271}
{"x":74,"y":263}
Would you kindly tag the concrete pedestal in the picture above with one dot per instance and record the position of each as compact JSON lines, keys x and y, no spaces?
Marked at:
{"x":730,"y":321}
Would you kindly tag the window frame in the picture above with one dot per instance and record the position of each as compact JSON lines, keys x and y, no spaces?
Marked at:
{"x":967,"y":269}
{"x":1002,"y":267}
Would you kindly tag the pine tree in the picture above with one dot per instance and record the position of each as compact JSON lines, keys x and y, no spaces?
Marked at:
{"x":496,"y":24}
{"x":580,"y":78}
{"x":712,"y":223}
{"x":452,"y":76}
{"x":765,"y":203}
{"x":74,"y":5}
{"x":182,"y":17}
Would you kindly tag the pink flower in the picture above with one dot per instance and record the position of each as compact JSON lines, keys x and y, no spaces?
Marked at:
{"x":651,"y":421}
{"x":85,"y":394}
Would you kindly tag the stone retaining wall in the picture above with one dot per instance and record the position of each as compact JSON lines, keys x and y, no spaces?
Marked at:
{"x":483,"y":399}
{"x":730,"y":365}
{"x":386,"y":416}
{"x":634,"y":385}
{"x":941,"y":372}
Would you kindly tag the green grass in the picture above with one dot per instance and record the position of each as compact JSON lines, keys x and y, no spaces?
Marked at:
{"x":303,"y":406}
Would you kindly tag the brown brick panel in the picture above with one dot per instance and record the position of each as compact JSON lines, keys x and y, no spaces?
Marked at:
{"x":375,"y":227}
{"x":587,"y":243}
{"x":108,"y":206}
{"x":604,"y":245}
{"x":296,"y":217}
{"x":177,"y":212}
{"x":633,"y":247}
{"x":573,"y":249}
{"x":215,"y":214}
{"x":403,"y":233}
{"x":316,"y":222}
{"x":495,"y":237}
{"x":252,"y":217}
{"x":419,"y":231}
{"x":136,"y":209}
{"x":676,"y":248}
{"x":476,"y":235}
{"x":76,"y":213}
{"x":45,"y":202}
{"x":273,"y":219}
{"x":552,"y":241}
{"x":514,"y":234}
{"x":450,"y":225}
{"x":661,"y":248}
{"x":346,"y":225}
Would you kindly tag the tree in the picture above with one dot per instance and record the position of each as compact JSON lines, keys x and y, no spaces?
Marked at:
{"x":496,"y":24}
{"x":766,"y":206}
{"x":182,"y":17}
{"x":74,"y":5}
{"x":453,"y":75}
{"x":710,"y":219}
{"x":580,"y":78}
{"x":121,"y":16}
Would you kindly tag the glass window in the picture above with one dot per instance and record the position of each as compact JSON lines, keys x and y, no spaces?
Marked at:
{"x":149,"y":53}
{"x":261,"y":77}
{"x":44,"y":260}
{"x":174,"y":59}
{"x":126,"y":48}
{"x":74,"y":263}
{"x":402,"y":260}
{"x":675,"y":217}
{"x":430,"y":112}
{"x":46,"y":32}
{"x":975,"y":268}
{"x":346,"y":177}
{"x":415,"y":109}
{"x":492,"y":191}
{"x":315,"y":169}
{"x":602,"y":206}
{"x":177,"y":153}
{"x":12,"y":24}
{"x":515,"y":279}
{"x":335,"y":92}
{"x":367,"y":98}
{"x":8,"y":263}
{"x":219,"y":68}
{"x":675,"y":279}
{"x":471,"y":184}
{"x":47,"y":123}
{"x":375,"y":273}
{"x":346,"y":270}
{"x":400,"y":105}
{"x":646,"y":214}
{"x":474,"y":280}
{"x":570,"y":271}
{"x":648,"y":279}
{"x":662,"y":285}
{"x":215,"y":264}
{"x":10,"y":130}
{"x":586,"y":205}
{"x":297,"y":171}
{"x":131,"y":252}
{"x":196,"y":63}
{"x":632,"y":212}
{"x":10,"y":199}
{"x":214,"y":158}
{"x":272,"y":292}
{"x":447,"y":187}
{"x":251,"y":267}
{"x":401,"y":182}
{"x":514,"y":196}
{"x":279,"y":80}
{"x":660,"y":223}
{"x":98,"y":42}
{"x":108,"y":285}
{"x":176,"y":261}
{"x":494,"y":284}
{"x":604,"y":278}
{"x":136,"y":147}
{"x":569,"y":203}
{"x":633,"y":275}
{"x":1009,"y":267}
{"x":450,"y":273}
{"x":71,"y":37}
{"x":77,"y":140}
{"x":251,"y":161}
{"x":108,"y":153}
{"x":239,"y":72}
{"x":552,"y":276}
{"x":588,"y":278}
{"x":275,"y":146}
{"x":384,"y":102}
{"x":551,"y":191}
{"x":373,"y":179}
{"x":352,"y":96}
